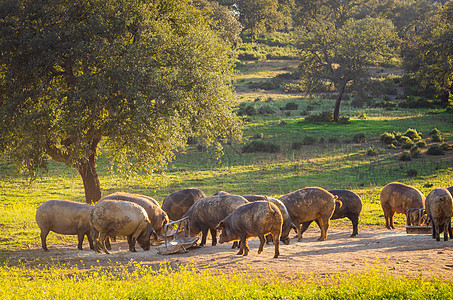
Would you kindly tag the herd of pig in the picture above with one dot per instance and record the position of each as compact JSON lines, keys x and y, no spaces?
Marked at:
{"x":141,"y":219}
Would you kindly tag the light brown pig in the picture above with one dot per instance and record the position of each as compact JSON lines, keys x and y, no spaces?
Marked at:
{"x":439,"y":207}
{"x":64,"y":217}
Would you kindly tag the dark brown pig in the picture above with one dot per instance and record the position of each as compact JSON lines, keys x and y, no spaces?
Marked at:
{"x":111,"y":218}
{"x":156,"y":215}
{"x":287,"y":223}
{"x":252,"y":219}
{"x":64,"y":217}
{"x":205,"y":214}
{"x":176,"y":204}
{"x":308,"y":204}
{"x":351,"y":206}
{"x":450,"y":189}
{"x":398,"y":198}
{"x":439,"y":207}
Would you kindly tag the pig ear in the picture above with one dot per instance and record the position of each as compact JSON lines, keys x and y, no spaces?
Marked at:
{"x":220,"y":226}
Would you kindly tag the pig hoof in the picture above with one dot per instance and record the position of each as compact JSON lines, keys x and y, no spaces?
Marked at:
{"x":276,"y":256}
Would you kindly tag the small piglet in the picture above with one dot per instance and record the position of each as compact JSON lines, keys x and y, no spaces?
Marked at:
{"x":252,"y":219}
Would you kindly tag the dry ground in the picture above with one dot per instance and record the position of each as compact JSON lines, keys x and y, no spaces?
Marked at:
{"x":400,"y":253}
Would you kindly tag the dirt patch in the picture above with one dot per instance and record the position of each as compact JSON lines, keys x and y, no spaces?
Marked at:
{"x":400,"y":253}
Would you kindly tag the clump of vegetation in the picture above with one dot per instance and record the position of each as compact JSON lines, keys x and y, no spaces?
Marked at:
{"x":309,"y":140}
{"x":296,"y":145}
{"x":371,"y":152}
{"x":445,"y":146}
{"x":406,"y":142}
{"x":261,"y":146}
{"x":412,"y":173}
{"x":436,"y":135}
{"x":415,"y":151}
{"x":421,"y":144}
{"x":332,"y":140}
{"x":405,"y":156}
{"x":267,"y":109}
{"x":291,"y":106}
{"x":413,"y":134}
{"x":247,"y":110}
{"x":449,"y":109}
{"x":435,"y":150}
{"x":361,"y":116}
{"x":258,"y":136}
{"x":417,"y":102}
{"x":359,"y":138}
{"x":387,"y":138}
{"x":325,"y":116}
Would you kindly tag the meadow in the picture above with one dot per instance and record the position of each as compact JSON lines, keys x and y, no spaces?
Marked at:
{"x":328,"y":155}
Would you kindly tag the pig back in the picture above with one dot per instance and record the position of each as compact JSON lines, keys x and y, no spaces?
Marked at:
{"x":400,"y":197}
{"x":157,"y":217}
{"x":176,"y":204}
{"x":351,"y":204}
{"x":208,"y":212}
{"x":309,"y":204}
{"x":439,"y":204}
{"x":64,"y":216}
{"x":117,"y":217}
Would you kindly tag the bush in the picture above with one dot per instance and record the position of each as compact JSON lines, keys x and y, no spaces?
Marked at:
{"x":361,"y":116}
{"x":258,"y":136}
{"x":371,"y":152}
{"x":421,"y":144}
{"x":406,"y":142}
{"x":412,"y":173}
{"x":437,"y":138}
{"x":359,"y":138}
{"x":333,"y":140}
{"x":260,"y":146}
{"x":343,"y":120}
{"x":291,"y":106}
{"x":413,"y":134}
{"x":405,"y":156}
{"x":267,"y":109}
{"x":435,"y":150}
{"x":417,"y":102}
{"x":324,"y":116}
{"x":415,"y":151}
{"x":449,"y":109}
{"x":296,"y":145}
{"x":248,"y":110}
{"x":445,"y":146}
{"x":435,"y":131}
{"x":387,"y":137}
{"x":309,"y":140}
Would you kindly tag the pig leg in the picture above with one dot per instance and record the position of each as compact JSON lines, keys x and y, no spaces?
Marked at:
{"x":95,"y":237}
{"x":302,"y":230}
{"x":355,"y":224}
{"x":276,"y":237}
{"x":107,"y":242}
{"x":437,"y":230}
{"x":80,"y":236}
{"x":131,"y":239}
{"x":262,"y":242}
{"x":102,"y":237}
{"x":44,"y":234}
{"x":214,"y":236}
{"x":236,"y":244}
{"x":90,"y":240}
{"x":446,"y":229}
{"x":204,"y":235}
{"x":324,"y":225}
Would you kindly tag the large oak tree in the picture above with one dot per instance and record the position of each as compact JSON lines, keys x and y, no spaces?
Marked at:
{"x":138,"y":77}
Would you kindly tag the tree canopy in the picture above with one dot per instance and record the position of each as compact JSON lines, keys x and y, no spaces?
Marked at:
{"x":138,"y":77}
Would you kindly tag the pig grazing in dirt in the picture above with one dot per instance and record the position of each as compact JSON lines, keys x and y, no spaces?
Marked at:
{"x":308,"y":204}
{"x":178,"y":203}
{"x":64,"y":217}
{"x":398,"y":198}
{"x":156,"y":215}
{"x":252,"y":219}
{"x":111,"y":218}
{"x":287,"y":223}
{"x":205,"y":214}
{"x":439,"y":207}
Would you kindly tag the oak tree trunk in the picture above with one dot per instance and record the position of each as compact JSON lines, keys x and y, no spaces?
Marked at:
{"x":336,"y":112}
{"x":87,"y":170}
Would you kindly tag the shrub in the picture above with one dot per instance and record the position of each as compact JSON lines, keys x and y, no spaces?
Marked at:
{"x":413,"y":134}
{"x":412,"y":173}
{"x":415,"y":151}
{"x":435,"y":150}
{"x":406,"y":142}
{"x":405,"y":156}
{"x":371,"y":152}
{"x":435,"y":131}
{"x":332,"y":140}
{"x":267,"y":109}
{"x":296,"y":145}
{"x":258,"y":136}
{"x":343,"y":120}
{"x":387,"y":137}
{"x":260,"y":146}
{"x":291,"y":106}
{"x":309,"y":140}
{"x":445,"y":146}
{"x":361,"y":116}
{"x":324,"y":116}
{"x":421,"y":144}
{"x":359,"y":138}
{"x":248,"y":110}
{"x":437,"y":138}
{"x":416,"y":102}
{"x":449,"y":109}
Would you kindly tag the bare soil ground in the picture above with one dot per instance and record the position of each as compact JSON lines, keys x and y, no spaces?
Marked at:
{"x":400,"y":253}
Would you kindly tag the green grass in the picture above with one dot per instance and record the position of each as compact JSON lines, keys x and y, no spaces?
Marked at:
{"x":136,"y":281}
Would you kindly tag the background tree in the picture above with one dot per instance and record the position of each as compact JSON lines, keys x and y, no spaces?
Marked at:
{"x":428,"y":54}
{"x":138,"y":76}
{"x":342,"y":55}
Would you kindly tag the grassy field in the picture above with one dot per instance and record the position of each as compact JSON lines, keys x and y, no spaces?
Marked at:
{"x":333,"y":160}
